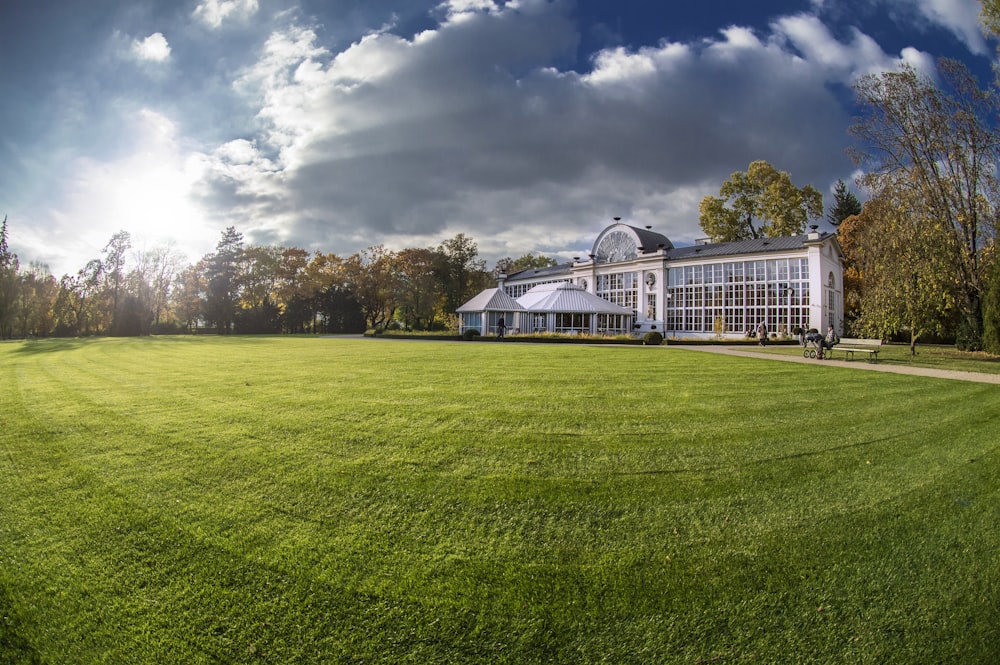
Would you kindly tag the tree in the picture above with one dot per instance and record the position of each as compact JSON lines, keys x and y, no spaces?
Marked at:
{"x":991,"y":307}
{"x":935,"y":145}
{"x":188,"y":298}
{"x":845,"y":204}
{"x":460,"y":272}
{"x":526,"y":262}
{"x":221,"y":276}
{"x":158,"y":269}
{"x":113,"y":268}
{"x":907,"y":284}
{"x":259,"y":275}
{"x":850,"y":233}
{"x":991,"y":17}
{"x":762,"y":202}
{"x":9,"y":284}
{"x":341,"y":311}
{"x":39,"y":290}
{"x":419,"y":295}
{"x":372,"y":279}
{"x":76,"y":313}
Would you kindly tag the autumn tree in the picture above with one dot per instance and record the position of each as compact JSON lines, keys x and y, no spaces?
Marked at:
{"x":419,"y":295}
{"x":372,"y":279}
{"x":258,"y":279}
{"x":908,"y":284}
{"x":935,"y":145}
{"x":761,"y":202}
{"x":845,"y":204}
{"x":187,"y":298}
{"x":38,"y":292}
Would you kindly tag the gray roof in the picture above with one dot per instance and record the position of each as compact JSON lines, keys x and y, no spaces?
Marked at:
{"x":491,"y":300}
{"x":542,"y":273}
{"x":703,"y":251}
{"x":753,"y":246}
{"x":650,"y":241}
{"x":566,"y":297}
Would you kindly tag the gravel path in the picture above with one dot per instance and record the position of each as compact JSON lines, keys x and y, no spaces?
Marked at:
{"x":979,"y":377}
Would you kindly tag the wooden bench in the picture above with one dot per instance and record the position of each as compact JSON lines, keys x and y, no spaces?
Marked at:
{"x":852,"y":345}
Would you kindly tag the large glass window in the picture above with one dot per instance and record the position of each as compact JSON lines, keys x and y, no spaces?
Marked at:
{"x":572,"y":322}
{"x":620,"y":288}
{"x":740,"y":293}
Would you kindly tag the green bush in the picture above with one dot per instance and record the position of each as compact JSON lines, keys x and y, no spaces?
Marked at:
{"x":652,"y":338}
{"x":470,"y":334}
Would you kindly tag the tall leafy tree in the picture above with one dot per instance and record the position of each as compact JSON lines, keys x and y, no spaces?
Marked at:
{"x":845,"y":204}
{"x":39,"y":290}
{"x":460,"y":271}
{"x":188,"y":298}
{"x":113,"y":269}
{"x":760,"y":202}
{"x":9,"y":284}
{"x":991,"y":307}
{"x":936,"y":145}
{"x":222,"y":281}
{"x":419,"y":295}
{"x":907,"y":285}
{"x":372,"y":278}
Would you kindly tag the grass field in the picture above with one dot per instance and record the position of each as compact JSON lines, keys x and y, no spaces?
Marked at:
{"x":316,"y":500}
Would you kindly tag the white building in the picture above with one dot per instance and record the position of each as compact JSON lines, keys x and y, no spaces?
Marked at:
{"x":702,"y":291}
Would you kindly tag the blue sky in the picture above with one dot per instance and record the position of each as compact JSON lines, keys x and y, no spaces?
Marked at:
{"x":334,"y":125}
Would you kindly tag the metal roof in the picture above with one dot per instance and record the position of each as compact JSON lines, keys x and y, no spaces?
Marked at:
{"x":753,"y":246}
{"x":541,"y":273}
{"x":651,"y":241}
{"x":566,"y":297}
{"x":701,"y":251}
{"x":491,"y":300}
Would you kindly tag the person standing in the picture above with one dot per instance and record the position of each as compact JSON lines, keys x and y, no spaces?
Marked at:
{"x":501,"y":328}
{"x":762,"y":333}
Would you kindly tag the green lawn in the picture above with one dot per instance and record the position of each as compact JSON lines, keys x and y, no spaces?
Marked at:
{"x":317,"y":500}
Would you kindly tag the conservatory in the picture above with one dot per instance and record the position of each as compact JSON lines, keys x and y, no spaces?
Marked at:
{"x":706,"y":290}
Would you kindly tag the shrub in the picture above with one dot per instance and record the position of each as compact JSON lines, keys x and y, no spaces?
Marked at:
{"x":652,"y":338}
{"x":470,"y":334}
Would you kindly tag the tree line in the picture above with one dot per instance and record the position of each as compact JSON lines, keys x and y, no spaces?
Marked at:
{"x":242,"y":288}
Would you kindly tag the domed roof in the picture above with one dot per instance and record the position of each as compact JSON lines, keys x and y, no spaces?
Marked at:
{"x":621,"y":242}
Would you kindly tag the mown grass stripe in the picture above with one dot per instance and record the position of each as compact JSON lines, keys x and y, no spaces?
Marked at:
{"x":320,"y":500}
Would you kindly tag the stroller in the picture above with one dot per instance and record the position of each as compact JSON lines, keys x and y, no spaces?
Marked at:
{"x":812,"y":345}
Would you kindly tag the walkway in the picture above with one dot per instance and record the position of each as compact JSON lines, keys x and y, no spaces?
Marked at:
{"x":979,"y":377}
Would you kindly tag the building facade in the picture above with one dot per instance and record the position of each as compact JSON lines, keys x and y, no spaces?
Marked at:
{"x":709,"y":289}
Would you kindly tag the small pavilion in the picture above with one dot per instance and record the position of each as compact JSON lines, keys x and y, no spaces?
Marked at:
{"x":561,"y":307}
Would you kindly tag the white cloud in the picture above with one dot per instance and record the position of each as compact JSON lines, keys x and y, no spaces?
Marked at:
{"x":842,"y":61}
{"x":214,"y":12}
{"x":960,"y":17}
{"x":474,"y":126}
{"x":153,"y":48}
